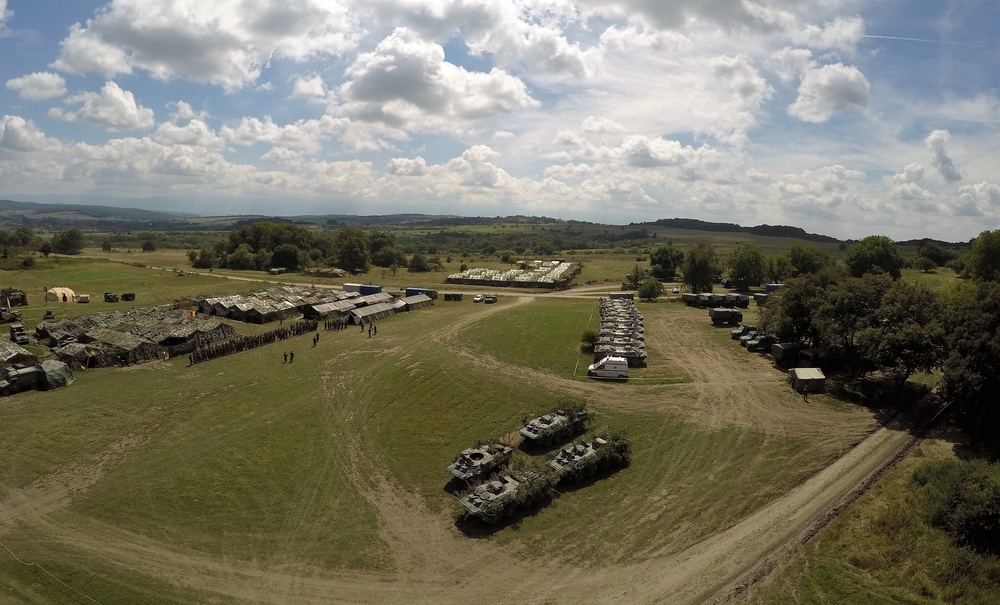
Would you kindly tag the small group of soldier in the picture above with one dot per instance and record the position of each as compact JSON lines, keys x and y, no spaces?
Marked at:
{"x":245,"y":343}
{"x":335,"y":325}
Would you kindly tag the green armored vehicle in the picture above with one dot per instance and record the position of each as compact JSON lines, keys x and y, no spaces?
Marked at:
{"x":480,"y":460}
{"x":725,"y":317}
{"x":502,"y":496}
{"x":585,"y":459}
{"x":555,"y":426}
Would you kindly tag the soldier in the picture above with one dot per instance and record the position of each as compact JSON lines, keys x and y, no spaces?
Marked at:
{"x":291,"y":357}
{"x":286,"y":358}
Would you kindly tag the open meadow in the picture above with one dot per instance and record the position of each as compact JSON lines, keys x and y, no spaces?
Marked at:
{"x":249,"y":480}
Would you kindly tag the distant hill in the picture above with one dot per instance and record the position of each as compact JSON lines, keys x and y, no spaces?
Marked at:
{"x":765,"y":230}
{"x":94,"y":212}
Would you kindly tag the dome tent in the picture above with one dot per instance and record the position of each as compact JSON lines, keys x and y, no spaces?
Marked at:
{"x":60,"y":295}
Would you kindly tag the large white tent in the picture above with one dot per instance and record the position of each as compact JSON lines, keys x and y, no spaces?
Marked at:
{"x":60,"y":295}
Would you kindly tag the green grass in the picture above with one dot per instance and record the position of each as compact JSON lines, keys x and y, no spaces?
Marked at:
{"x":248,"y":459}
{"x":882,"y":550}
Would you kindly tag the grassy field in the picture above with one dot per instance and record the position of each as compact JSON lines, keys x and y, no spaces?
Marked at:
{"x":285,"y":466}
{"x":882,"y":550}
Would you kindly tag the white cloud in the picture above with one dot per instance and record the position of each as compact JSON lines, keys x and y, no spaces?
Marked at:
{"x":407,"y":167}
{"x":180,"y":110}
{"x":828,"y":90}
{"x":38,"y":86}
{"x":601,"y":125}
{"x":406,"y":82}
{"x":310,"y":89}
{"x":913,"y":173}
{"x":112,"y":108}
{"x":20,"y":135}
{"x":4,"y":14}
{"x":223,"y":42}
{"x":791,"y":63}
{"x":516,"y":35}
{"x":981,"y":199}
{"x":751,"y":15}
{"x":940,"y":159}
{"x":195,"y":133}
{"x":281,"y":155}
{"x":841,"y":34}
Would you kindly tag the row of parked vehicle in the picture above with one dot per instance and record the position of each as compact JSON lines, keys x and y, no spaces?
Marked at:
{"x":113,"y":298}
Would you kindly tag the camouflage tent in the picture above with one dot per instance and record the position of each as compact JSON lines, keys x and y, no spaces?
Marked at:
{"x":127,"y":349}
{"x":364,"y":315}
{"x":11,"y":353}
{"x":55,"y":374}
{"x":417,"y":301}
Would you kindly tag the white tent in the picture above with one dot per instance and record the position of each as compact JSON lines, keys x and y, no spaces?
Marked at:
{"x":60,"y":295}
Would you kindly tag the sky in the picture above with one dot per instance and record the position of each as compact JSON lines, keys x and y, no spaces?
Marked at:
{"x":842,"y":117}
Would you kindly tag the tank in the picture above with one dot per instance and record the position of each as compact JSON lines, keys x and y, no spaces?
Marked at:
{"x":581,"y":460}
{"x":481,"y":460}
{"x":504,"y":495}
{"x":555,"y":426}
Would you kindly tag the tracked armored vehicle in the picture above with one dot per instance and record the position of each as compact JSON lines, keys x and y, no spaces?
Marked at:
{"x":555,"y":426}
{"x":480,"y":461}
{"x":502,"y":496}
{"x":582,"y":460}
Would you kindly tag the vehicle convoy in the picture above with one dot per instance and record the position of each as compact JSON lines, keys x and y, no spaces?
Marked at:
{"x":481,"y":460}
{"x":557,"y":425}
{"x":503,"y":495}
{"x":17,"y":334}
{"x":585,"y":459}
{"x":609,"y":367}
{"x":19,"y":379}
{"x":725,"y":317}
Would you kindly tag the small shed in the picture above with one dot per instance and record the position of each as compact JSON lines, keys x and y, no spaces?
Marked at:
{"x":60,"y":295}
{"x":807,"y":380}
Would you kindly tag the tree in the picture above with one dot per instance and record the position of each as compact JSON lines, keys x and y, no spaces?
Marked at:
{"x":700,"y":266}
{"x":242,"y":259}
{"x":418,"y":263}
{"x":924,"y":264}
{"x":68,"y":242}
{"x":935,"y":253}
{"x":665,"y":261}
{"x":352,"y":250}
{"x":106,"y":245}
{"x":148,"y":246}
{"x":650,"y":290}
{"x":746,"y":265}
{"x":589,"y":339}
{"x":285,"y":255}
{"x":777,"y":268}
{"x":790,"y":312}
{"x":984,"y":260}
{"x":907,"y":334}
{"x":873,"y":254}
{"x":847,"y":310}
{"x":807,"y":259}
{"x":971,"y":380}
{"x":45,"y":249}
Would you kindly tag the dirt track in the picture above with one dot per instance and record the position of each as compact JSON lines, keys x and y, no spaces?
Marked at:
{"x":434,"y":563}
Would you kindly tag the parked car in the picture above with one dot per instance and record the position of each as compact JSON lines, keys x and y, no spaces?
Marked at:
{"x":609,"y":367}
{"x":111,"y":298}
{"x":489,"y":299}
{"x":676,"y":290}
{"x":477,"y":298}
{"x":128,"y":296}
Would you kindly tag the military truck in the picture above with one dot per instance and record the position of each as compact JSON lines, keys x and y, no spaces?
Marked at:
{"x":742,"y":331}
{"x":762,"y":343}
{"x":481,"y":460}
{"x":725,"y":317}
{"x":129,"y":296}
{"x":555,"y":426}
{"x":110,"y":297}
{"x":503,"y":495}
{"x":19,"y":379}
{"x":18,"y":334}
{"x":585,"y":459}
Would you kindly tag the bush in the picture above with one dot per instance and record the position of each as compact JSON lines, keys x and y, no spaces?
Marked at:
{"x":963,"y":498}
{"x":589,"y":339}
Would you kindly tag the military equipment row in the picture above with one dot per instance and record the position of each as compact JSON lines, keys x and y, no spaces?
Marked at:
{"x":503,"y":495}
{"x":621,"y":333}
{"x":706,"y":301}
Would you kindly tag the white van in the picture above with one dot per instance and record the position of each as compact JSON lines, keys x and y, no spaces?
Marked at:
{"x":609,"y":367}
